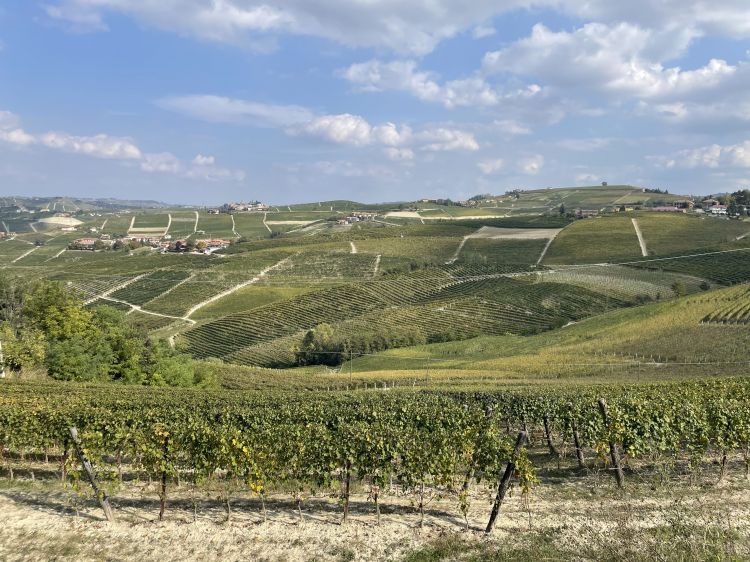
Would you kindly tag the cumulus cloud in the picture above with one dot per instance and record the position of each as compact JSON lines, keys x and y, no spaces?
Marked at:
{"x":413,"y":27}
{"x":114,"y":148}
{"x":99,"y":146}
{"x":491,"y":166}
{"x":482,"y":31}
{"x":620,"y":59}
{"x":442,"y":139}
{"x":343,"y":128}
{"x":404,"y":76}
{"x":710,"y":156}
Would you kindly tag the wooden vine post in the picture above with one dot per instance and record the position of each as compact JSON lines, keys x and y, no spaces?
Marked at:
{"x":548,"y":434}
{"x":101,"y":495}
{"x":576,"y":437}
{"x":504,"y":484}
{"x":613,"y":452}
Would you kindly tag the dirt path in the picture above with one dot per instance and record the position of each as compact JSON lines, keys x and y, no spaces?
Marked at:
{"x":233,"y":289}
{"x":354,"y":248}
{"x":454,"y":259}
{"x":104,"y":224}
{"x":5,"y":226}
{"x":195,"y":226}
{"x":135,"y":307}
{"x":288,"y":207}
{"x":57,"y":255}
{"x":115,"y":288}
{"x":234,"y":227}
{"x":544,"y":250}
{"x":132,"y":223}
{"x":264,"y":222}
{"x":169,"y":224}
{"x":641,"y":241}
{"x":19,"y":258}
{"x":31,"y":224}
{"x":377,"y":266}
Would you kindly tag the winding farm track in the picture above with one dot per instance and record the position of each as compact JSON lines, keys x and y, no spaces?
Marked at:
{"x":115,"y":288}
{"x":104,"y":224}
{"x":641,"y":241}
{"x":234,"y":227}
{"x":264,"y":222}
{"x":354,"y":248}
{"x":132,"y":223}
{"x":135,"y":307}
{"x":169,"y":225}
{"x":57,"y":255}
{"x":5,"y":226}
{"x":377,"y":266}
{"x":195,"y":226}
{"x":31,"y":224}
{"x":231,"y":290}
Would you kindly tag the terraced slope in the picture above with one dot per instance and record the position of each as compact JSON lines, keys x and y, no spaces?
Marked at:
{"x":433,"y":305}
{"x":736,"y":311}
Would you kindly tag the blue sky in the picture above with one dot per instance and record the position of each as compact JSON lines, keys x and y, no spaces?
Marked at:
{"x":204,"y":101}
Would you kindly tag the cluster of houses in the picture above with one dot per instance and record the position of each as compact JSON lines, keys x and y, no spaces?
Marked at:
{"x":160,"y":243}
{"x":357,"y":217}
{"x":6,"y":234}
{"x":239,"y":208}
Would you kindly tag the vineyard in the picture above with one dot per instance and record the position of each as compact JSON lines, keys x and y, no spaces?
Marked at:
{"x":420,"y":442}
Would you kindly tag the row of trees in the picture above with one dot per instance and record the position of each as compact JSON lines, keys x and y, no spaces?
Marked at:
{"x":44,"y":328}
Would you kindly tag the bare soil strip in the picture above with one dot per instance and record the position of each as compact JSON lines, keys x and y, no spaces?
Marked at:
{"x":354,"y":248}
{"x":377,"y":266}
{"x":641,"y":241}
{"x":234,"y":227}
{"x":264,"y":222}
{"x":458,"y":250}
{"x":115,"y":288}
{"x":24,"y":254}
{"x":195,"y":226}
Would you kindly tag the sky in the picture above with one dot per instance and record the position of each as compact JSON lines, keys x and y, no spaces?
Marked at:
{"x":208,"y":101}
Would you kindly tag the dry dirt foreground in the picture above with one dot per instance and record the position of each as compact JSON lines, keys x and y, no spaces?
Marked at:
{"x":41,"y":522}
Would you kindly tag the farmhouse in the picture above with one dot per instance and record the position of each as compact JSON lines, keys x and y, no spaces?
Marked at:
{"x":667,"y":209}
{"x":708,"y":203}
{"x":83,"y":244}
{"x":583,"y":213}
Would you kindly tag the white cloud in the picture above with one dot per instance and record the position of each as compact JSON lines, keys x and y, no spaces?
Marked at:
{"x":444,"y":139}
{"x":491,"y":166}
{"x":99,"y":146}
{"x":115,"y":148}
{"x":403,"y":76}
{"x":399,"y":154}
{"x":342,"y":129}
{"x":218,"y":109}
{"x":622,"y":59}
{"x":413,"y":27}
{"x":531,"y":165}
{"x":710,"y":156}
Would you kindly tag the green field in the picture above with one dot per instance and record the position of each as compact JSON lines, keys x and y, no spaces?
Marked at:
{"x":669,"y":234}
{"x":595,"y":240}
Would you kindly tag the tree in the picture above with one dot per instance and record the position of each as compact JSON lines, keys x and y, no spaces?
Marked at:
{"x":679,"y":288}
{"x":562,"y":209}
